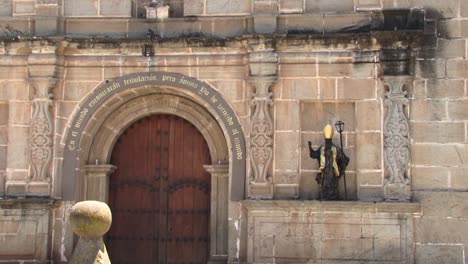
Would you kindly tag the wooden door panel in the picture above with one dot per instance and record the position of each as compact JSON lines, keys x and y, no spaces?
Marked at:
{"x":160,"y":193}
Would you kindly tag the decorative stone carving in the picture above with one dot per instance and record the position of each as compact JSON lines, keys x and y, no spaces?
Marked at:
{"x":41,"y":129}
{"x":261,"y":137}
{"x":396,"y":140}
{"x":263,"y":65}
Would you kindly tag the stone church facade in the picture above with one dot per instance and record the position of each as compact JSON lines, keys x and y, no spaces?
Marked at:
{"x":257,"y":79}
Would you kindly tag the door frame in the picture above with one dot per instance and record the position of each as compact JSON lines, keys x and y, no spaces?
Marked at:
{"x":95,"y":172}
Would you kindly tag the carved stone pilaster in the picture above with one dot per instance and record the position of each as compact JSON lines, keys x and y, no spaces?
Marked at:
{"x":98,"y":181}
{"x":396,"y":139}
{"x":41,"y":130}
{"x":261,"y":139}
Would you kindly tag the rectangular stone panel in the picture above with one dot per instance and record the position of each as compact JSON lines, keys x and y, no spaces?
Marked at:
{"x":115,"y":8}
{"x":313,"y":232}
{"x":6,"y":7}
{"x":428,"y":110}
{"x":356,"y":89}
{"x":329,"y":6}
{"x":301,"y":89}
{"x":83,"y":28}
{"x":369,"y":147}
{"x":228,"y":7}
{"x":18,"y":147}
{"x":355,"y":249}
{"x":361,"y":70}
{"x":286,"y":115}
{"x":458,"y":110}
{"x":441,"y":88}
{"x":438,"y":132}
{"x":429,"y":178}
{"x":194,"y":7}
{"x":316,"y":115}
{"x":291,"y":6}
{"x":439,"y":154}
{"x":430,"y":69}
{"x":297,"y":70}
{"x":24,"y":7}
{"x":439,"y":253}
{"x":286,"y":157}
{"x":368,"y":115}
{"x":80,"y":7}
{"x":25,"y":233}
{"x":300,"y":24}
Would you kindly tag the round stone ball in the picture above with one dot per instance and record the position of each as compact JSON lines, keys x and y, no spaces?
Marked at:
{"x":90,"y":218}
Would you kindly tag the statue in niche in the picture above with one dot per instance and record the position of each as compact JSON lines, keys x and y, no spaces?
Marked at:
{"x":332,"y":164}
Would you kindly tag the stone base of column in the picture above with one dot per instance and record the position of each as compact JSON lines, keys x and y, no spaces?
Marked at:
{"x":16,"y":188}
{"x":263,"y":191}
{"x":38,"y":188}
{"x":397,"y":192}
{"x":217,"y":260}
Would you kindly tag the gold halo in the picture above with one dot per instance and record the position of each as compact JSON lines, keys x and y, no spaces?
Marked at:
{"x":328,"y":131}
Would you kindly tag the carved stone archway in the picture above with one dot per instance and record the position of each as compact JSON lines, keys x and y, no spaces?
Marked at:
{"x":108,"y":98}
{"x":106,"y":113}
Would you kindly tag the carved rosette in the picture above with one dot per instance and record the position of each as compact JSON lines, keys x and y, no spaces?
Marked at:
{"x":396,"y":139}
{"x":41,"y":129}
{"x":261,"y":134}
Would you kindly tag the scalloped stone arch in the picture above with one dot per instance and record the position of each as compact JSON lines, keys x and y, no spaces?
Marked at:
{"x":105,"y":113}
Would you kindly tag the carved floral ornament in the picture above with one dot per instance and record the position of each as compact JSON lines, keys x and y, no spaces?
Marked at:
{"x":396,"y":132}
{"x":41,"y":129}
{"x":261,"y":134}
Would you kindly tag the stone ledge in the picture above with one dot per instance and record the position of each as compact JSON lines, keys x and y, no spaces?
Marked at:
{"x":333,"y":206}
{"x":28,"y":202}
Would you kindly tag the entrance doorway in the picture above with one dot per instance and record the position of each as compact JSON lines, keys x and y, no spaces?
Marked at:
{"x":160,"y":193}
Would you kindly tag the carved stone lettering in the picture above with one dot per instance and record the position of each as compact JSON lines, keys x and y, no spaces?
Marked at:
{"x":202,"y":91}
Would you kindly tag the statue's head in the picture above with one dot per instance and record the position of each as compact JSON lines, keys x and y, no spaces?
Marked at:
{"x":328,"y":131}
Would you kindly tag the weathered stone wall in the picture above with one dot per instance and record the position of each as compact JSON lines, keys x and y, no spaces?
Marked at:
{"x":316,"y":82}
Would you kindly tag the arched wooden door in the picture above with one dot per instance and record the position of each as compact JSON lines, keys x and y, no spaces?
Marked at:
{"x":160,"y":193}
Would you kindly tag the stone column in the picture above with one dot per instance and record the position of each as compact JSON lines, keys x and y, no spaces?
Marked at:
{"x":40,"y":136}
{"x":219,"y":212}
{"x":263,"y":71}
{"x":97,"y":179}
{"x":396,"y":139}
{"x":261,"y":140}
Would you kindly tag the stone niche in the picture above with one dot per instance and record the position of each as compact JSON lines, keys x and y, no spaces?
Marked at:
{"x":362,"y":143}
{"x":330,"y":232}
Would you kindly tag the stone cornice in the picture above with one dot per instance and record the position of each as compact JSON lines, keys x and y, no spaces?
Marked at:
{"x":280,"y":42}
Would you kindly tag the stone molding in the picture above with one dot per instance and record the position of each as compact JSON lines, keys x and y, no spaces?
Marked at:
{"x":98,"y":181}
{"x":219,"y":212}
{"x":396,"y":139}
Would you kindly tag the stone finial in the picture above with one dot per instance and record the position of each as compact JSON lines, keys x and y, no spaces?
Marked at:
{"x":90,"y":220}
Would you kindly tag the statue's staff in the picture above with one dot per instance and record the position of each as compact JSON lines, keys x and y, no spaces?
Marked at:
{"x":339,"y":125}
